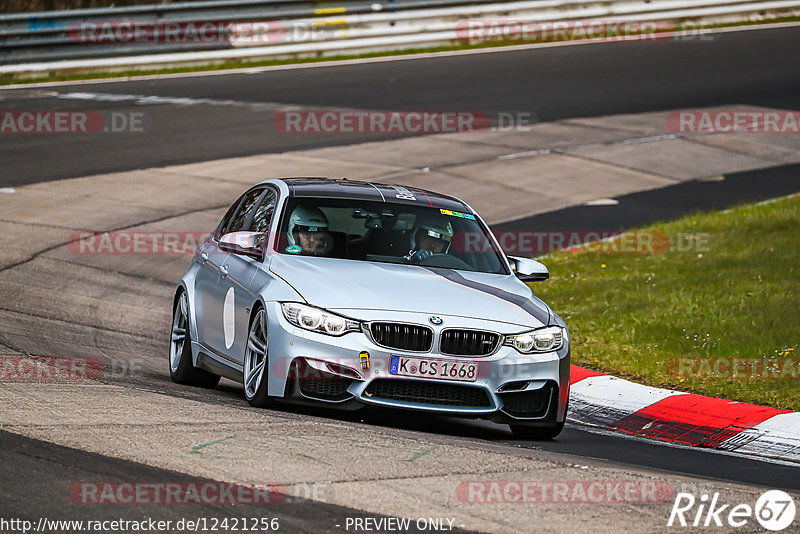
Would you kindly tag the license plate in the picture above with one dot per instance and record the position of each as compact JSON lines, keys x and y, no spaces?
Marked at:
{"x":439,"y":369}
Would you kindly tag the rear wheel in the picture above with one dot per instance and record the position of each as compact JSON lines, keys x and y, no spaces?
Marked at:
{"x":537,"y":432}
{"x":181,"y":368}
{"x":256,"y":362}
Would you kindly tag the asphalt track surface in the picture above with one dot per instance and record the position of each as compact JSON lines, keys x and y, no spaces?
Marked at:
{"x":742,"y":67}
{"x":667,"y":203}
{"x":48,"y":471}
{"x":755,"y":68}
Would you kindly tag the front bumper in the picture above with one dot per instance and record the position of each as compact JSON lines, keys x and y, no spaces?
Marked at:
{"x":510,"y":388}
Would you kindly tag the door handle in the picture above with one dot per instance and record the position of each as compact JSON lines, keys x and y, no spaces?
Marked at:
{"x":224,"y":270}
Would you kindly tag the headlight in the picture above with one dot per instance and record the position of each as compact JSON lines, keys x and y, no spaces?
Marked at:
{"x":317,"y":320}
{"x":542,"y":340}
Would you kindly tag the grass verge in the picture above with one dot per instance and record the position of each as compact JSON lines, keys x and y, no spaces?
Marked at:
{"x":715,"y":312}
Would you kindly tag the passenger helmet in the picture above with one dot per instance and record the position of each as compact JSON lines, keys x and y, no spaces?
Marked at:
{"x":435,"y":227}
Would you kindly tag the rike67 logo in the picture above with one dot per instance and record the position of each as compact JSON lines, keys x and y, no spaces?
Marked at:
{"x":774,"y":510}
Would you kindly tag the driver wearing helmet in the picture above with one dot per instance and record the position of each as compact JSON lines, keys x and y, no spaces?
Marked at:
{"x":308,"y":229}
{"x":432,"y":236}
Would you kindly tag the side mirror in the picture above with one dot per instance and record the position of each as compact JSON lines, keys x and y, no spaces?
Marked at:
{"x":244,"y":244}
{"x":529,"y":270}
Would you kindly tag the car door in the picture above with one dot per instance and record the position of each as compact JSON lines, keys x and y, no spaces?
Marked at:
{"x":214,"y":317}
{"x":239,"y":271}
{"x":207,"y":293}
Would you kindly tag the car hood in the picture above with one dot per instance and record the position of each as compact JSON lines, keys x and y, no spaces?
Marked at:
{"x":350,"y":284}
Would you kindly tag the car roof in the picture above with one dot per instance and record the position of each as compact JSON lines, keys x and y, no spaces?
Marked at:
{"x":375,"y":191}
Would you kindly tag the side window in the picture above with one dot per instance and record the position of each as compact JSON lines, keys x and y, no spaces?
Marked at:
{"x":236,"y":222}
{"x":263,"y":215}
{"x":226,"y":220}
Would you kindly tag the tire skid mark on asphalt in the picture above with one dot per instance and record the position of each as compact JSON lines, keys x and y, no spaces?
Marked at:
{"x":51,"y":248}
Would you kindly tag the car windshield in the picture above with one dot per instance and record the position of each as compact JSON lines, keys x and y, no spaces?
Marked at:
{"x":388,"y":233}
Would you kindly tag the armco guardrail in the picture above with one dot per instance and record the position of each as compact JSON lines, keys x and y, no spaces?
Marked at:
{"x":28,"y":37}
{"x":212,"y":32}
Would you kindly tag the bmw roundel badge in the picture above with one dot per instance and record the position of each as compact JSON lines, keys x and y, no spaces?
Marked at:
{"x":434,"y":319}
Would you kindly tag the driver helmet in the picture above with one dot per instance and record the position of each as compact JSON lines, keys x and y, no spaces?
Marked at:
{"x":434,"y":227}
{"x":306,"y":219}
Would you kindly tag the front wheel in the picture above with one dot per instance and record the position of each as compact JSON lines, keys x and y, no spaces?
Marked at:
{"x":181,"y":368}
{"x":537,"y":432}
{"x":256,"y":362}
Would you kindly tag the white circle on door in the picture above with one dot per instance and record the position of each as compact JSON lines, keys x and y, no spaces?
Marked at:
{"x":228,"y":321}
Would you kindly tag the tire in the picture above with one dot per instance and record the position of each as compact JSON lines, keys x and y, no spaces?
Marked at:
{"x":181,"y":368}
{"x":256,"y":362}
{"x":537,"y":432}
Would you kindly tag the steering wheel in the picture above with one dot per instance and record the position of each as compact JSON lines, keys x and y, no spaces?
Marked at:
{"x":428,"y":258}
